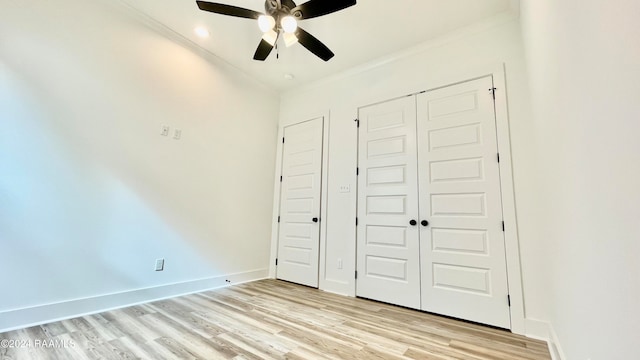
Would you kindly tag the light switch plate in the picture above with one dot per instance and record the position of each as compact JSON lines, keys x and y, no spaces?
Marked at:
{"x":344,"y":188}
{"x":160,"y":265}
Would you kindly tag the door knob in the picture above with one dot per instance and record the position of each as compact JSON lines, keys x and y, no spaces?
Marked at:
{"x":424,"y":223}
{"x":413,"y":222}
{"x":315,"y":220}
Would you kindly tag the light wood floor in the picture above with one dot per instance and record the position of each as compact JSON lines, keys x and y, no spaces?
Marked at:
{"x":268,"y":319}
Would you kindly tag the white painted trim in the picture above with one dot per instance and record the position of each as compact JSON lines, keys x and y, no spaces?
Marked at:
{"x":275,"y":229}
{"x":325,"y":116}
{"x":160,"y":28}
{"x":42,"y":314}
{"x":324,"y":201}
{"x":554,"y":345}
{"x":512,"y":246}
{"x":462,"y":33}
{"x":537,"y":329}
{"x":542,"y":330}
{"x":512,"y":243}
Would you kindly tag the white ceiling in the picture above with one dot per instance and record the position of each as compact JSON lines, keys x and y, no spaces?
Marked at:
{"x":367,"y":31}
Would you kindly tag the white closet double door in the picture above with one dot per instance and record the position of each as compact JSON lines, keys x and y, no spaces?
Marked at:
{"x":430,"y":232}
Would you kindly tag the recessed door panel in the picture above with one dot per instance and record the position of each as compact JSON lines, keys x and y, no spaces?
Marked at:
{"x":458,"y":205}
{"x":457,"y":170}
{"x":387,"y":246}
{"x":459,"y":241}
{"x":462,"y":249}
{"x":299,"y":235}
{"x":393,"y":236}
{"x":462,"y":279}
{"x":387,"y":175}
{"x":301,"y":182}
{"x":386,"y":121}
{"x":301,"y":206}
{"x":296,"y":257}
{"x":452,"y":137}
{"x":387,"y":205}
{"x":386,"y":268}
{"x":386,"y":147}
{"x":452,"y":105}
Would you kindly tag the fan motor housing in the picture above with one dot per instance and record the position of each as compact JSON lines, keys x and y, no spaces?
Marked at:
{"x":271,"y":7}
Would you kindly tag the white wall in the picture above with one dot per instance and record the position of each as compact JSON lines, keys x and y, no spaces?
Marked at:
{"x":584,"y":63}
{"x":90,"y":193}
{"x":459,"y":56}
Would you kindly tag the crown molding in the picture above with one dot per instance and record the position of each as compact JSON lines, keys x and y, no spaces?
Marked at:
{"x":161,"y":29}
{"x":461,"y":33}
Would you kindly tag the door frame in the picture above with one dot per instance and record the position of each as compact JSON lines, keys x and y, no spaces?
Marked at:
{"x":512,"y":243}
{"x":512,"y":246}
{"x":277,"y":192}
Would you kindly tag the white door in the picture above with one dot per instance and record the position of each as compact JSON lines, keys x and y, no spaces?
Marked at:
{"x":388,"y":266}
{"x":462,"y":246}
{"x":299,"y":234}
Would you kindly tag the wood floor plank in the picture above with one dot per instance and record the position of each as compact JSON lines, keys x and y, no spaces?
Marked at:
{"x":270,"y":319}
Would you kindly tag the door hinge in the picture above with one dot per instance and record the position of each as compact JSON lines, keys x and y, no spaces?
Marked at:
{"x":493,"y":92}
{"x":498,"y":156}
{"x":278,"y":218}
{"x":280,"y":178}
{"x":503,"y":226}
{"x":357,"y":171}
{"x":356,"y":274}
{"x":283,"y":140}
{"x":357,"y":122}
{"x":356,"y":221}
{"x":509,"y":300}
{"x":276,"y":261}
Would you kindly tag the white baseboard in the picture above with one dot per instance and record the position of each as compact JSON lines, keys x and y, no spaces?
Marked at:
{"x":43,"y":314}
{"x":537,"y":329}
{"x":554,"y":345}
{"x":336,"y":287}
{"x":542,"y":330}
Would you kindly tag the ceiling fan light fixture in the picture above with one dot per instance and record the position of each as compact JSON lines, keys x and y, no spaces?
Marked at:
{"x":270,"y":37}
{"x":289,"y":24}
{"x":290,"y":39}
{"x":266,"y":23}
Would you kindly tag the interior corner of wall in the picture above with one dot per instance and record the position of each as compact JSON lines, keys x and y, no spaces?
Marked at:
{"x":554,"y":345}
{"x":543,"y":330}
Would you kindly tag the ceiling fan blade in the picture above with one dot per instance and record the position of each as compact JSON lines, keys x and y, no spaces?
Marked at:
{"x":314,"y":45}
{"x":228,"y":10}
{"x":263,"y":51}
{"x":315,"y":8}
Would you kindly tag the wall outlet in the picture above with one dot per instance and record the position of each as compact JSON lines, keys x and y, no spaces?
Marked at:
{"x":164,"y":130}
{"x":339,"y":263}
{"x":177,"y":134}
{"x":160,"y":265}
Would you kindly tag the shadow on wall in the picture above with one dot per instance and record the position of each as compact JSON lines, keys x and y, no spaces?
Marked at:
{"x":92,"y":194}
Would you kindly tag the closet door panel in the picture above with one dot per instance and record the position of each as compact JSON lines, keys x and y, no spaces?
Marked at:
{"x":388,"y":246}
{"x":462,"y":250}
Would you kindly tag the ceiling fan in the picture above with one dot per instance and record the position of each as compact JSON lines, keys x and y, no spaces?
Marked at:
{"x":282,"y":18}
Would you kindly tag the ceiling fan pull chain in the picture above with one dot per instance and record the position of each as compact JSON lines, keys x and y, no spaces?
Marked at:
{"x":277,"y":52}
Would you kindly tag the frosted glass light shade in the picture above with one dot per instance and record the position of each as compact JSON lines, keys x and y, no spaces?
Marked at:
{"x":270,"y":37}
{"x":266,"y":23}
{"x":289,"y":24}
{"x":290,"y":39}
